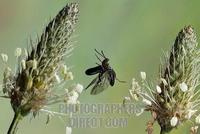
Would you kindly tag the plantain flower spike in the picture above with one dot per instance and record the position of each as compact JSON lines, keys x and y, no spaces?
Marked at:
{"x":175,"y":99}
{"x":181,"y":72}
{"x":33,"y":86}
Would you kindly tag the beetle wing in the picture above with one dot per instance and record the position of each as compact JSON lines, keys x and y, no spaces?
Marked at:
{"x":92,"y":82}
{"x":111,"y":76}
{"x":93,"y":71}
{"x":101,"y":84}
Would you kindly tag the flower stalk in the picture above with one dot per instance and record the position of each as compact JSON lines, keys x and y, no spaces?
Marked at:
{"x":13,"y":127}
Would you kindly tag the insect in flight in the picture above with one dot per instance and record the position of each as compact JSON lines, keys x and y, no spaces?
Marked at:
{"x":106,"y":75}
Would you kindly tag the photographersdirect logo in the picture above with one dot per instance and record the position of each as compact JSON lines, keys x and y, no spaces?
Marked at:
{"x":101,"y":115}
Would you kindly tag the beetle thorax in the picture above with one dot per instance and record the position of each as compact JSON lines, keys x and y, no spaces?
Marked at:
{"x":105,"y":63}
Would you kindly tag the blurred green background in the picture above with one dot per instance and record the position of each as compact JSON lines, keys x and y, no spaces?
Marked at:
{"x":132,"y":33}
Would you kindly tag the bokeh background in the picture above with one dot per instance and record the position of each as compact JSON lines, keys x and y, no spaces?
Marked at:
{"x":133,"y":34}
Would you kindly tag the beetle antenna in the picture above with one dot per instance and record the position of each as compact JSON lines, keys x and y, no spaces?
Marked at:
{"x":103,"y":54}
{"x":99,"y":53}
{"x":98,"y":64}
{"x":120,"y":81}
{"x":98,"y":58}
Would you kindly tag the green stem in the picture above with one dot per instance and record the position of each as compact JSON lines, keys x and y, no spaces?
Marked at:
{"x":13,"y":126}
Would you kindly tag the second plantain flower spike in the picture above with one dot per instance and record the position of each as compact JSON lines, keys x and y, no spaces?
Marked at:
{"x":176,"y":96}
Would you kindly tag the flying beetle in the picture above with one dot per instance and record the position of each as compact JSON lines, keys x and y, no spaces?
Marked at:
{"x":106,"y":75}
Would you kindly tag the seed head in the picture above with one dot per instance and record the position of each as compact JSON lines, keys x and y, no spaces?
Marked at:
{"x":34,"y":84}
{"x":176,"y":96}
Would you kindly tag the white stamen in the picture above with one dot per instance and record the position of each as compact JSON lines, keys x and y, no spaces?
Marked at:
{"x":75,"y":9}
{"x":158,"y":89}
{"x":143,"y":75}
{"x":64,"y":69}
{"x":79,"y":88}
{"x":147,"y":102}
{"x":197,"y":119}
{"x":174,"y":121}
{"x":57,"y":78}
{"x":194,"y":129}
{"x":127,"y":98}
{"x":190,"y":114}
{"x":25,"y":52}
{"x":135,"y":97}
{"x":18,"y":52}
{"x":23,"y":63}
{"x":68,"y":130}
{"x":183,"y":86}
{"x":34,"y":64}
{"x":70,"y":76}
{"x":73,"y":97}
{"x":164,"y":81}
{"x":4,"y":57}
